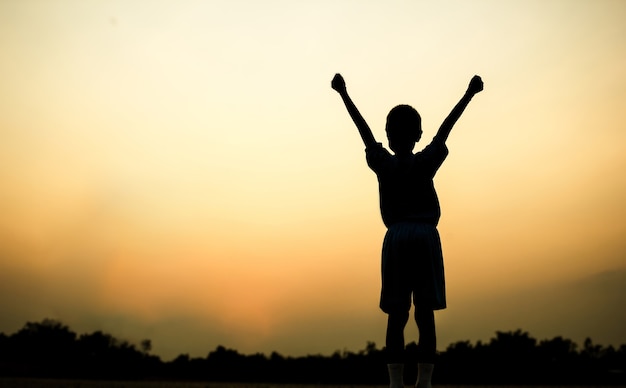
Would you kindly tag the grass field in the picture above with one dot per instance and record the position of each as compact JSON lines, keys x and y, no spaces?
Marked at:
{"x":50,"y":383}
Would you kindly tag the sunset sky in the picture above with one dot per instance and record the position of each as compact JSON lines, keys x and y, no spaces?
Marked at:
{"x":182,"y":171}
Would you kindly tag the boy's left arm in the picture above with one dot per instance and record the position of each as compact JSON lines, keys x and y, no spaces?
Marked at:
{"x":475,"y":86}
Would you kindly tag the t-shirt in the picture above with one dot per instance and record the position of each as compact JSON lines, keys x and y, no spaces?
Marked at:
{"x":407,"y":192}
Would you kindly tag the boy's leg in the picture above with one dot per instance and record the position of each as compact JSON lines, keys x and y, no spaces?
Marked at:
{"x":394,"y":341}
{"x":427,"y":346}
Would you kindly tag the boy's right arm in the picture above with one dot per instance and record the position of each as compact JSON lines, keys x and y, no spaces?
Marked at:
{"x":339,"y":85}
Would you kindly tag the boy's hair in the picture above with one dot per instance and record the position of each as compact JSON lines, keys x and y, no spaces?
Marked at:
{"x":403,"y":120}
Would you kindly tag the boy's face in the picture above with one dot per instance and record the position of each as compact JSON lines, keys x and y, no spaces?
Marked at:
{"x":403,"y":140}
{"x":403,"y":128}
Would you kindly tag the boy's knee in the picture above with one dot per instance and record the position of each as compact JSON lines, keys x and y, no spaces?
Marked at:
{"x":425,"y":322}
{"x":398,"y":318}
{"x":425,"y":315}
{"x":399,"y":314}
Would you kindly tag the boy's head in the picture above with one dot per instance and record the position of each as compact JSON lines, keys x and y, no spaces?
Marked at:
{"x":404,"y":128}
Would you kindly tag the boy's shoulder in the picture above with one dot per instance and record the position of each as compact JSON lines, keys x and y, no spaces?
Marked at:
{"x":378,"y":156}
{"x":434,"y":148}
{"x":377,"y":150}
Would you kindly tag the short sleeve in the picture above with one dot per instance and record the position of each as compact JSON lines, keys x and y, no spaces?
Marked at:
{"x":377,"y":157}
{"x":433,"y":156}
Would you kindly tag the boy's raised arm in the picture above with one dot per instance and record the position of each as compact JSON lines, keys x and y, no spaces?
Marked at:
{"x":364,"y":130}
{"x":475,"y":86}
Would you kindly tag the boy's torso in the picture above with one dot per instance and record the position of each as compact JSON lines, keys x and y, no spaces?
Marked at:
{"x":407,"y":191}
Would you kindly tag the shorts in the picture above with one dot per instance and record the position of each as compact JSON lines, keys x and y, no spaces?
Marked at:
{"x":412,"y":265}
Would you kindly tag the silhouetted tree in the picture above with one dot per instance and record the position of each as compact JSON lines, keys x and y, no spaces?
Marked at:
{"x":45,"y":348}
{"x":51,"y":349}
{"x":555,"y":358}
{"x":146,"y":346}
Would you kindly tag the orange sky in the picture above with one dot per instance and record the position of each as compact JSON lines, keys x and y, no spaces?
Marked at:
{"x":182,"y":171}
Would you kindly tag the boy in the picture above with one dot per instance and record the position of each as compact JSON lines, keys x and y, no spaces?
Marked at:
{"x":412,"y":261}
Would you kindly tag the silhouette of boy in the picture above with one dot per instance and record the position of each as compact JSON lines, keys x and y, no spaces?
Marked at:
{"x":412,"y":260}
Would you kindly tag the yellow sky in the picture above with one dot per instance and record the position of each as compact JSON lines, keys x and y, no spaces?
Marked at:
{"x":182,"y":171}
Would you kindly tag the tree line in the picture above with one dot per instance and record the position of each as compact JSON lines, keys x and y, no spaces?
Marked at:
{"x":50,"y":349}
